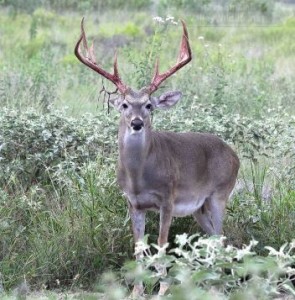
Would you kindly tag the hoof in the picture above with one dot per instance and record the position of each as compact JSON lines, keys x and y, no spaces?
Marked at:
{"x":164,"y":286}
{"x":137,"y":291}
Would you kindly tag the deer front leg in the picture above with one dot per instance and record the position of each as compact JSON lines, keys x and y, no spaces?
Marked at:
{"x":165,"y":222}
{"x":138,"y":226}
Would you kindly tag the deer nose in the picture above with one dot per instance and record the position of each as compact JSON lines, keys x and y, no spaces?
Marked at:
{"x":137,"y":124}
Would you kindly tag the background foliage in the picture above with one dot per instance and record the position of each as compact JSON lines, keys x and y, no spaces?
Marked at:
{"x":63,"y":220}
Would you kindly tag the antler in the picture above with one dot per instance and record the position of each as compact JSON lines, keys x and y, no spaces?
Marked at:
{"x":184,"y":57}
{"x":90,"y":61}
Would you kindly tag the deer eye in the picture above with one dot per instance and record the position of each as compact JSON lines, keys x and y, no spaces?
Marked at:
{"x":148,"y":106}
{"x":124,"y":106}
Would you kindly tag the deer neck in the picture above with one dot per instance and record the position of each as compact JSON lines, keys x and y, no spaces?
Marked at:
{"x":133,"y":153}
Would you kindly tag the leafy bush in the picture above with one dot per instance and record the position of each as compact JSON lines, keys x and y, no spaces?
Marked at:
{"x":41,"y":149}
{"x":203,"y":268}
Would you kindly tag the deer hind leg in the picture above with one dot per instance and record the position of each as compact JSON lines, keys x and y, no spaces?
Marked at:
{"x":210,"y":215}
{"x":138,"y":226}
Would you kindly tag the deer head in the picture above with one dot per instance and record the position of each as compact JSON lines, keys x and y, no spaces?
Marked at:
{"x":136,"y":106}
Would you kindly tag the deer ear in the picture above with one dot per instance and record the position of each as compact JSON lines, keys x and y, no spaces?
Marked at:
{"x":166,"y":100}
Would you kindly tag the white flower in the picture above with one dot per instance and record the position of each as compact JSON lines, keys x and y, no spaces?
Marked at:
{"x":181,"y":239}
{"x":159,"y":19}
{"x":200,"y":38}
{"x":168,"y":18}
{"x":140,"y":248}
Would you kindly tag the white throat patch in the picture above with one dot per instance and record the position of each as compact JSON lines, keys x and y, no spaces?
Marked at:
{"x":134,"y":137}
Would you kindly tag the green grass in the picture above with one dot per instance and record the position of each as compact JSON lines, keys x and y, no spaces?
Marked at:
{"x":63,"y":220}
{"x":251,"y":57}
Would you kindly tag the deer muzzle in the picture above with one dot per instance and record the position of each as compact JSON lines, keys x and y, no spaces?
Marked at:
{"x":137,"y":124}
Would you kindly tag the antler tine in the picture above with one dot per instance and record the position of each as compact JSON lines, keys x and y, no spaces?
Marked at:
{"x":83,"y":36}
{"x":184,"y":57}
{"x":90,"y":61}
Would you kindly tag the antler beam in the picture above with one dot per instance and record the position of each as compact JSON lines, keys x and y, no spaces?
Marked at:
{"x":90,"y":61}
{"x":184,"y":57}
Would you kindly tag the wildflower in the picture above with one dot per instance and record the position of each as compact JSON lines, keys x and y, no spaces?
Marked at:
{"x":200,"y":38}
{"x":158,"y":19}
{"x":169,"y":18}
{"x":140,"y":248}
{"x":181,"y":239}
{"x":76,"y":277}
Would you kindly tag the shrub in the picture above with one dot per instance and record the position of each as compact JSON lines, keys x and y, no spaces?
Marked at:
{"x":203,"y":268}
{"x":40,"y":149}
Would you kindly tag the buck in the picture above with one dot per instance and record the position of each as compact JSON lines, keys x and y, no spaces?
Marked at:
{"x":176,"y":174}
